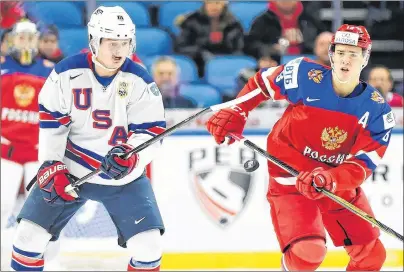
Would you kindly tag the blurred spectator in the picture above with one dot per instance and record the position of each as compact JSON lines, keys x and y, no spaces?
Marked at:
{"x":165,"y":73}
{"x":5,"y":41}
{"x":266,"y":61}
{"x":321,"y":47}
{"x":285,"y":28}
{"x":400,"y":88}
{"x":380,"y":77}
{"x":10,"y":13}
{"x":49,"y":44}
{"x":209,"y":31}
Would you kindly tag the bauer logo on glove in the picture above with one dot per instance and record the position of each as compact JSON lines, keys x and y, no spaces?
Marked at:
{"x":52,"y":179}
{"x":50,"y":171}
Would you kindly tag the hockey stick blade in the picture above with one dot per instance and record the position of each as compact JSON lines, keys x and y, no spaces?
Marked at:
{"x":169,"y":131}
{"x":373,"y":221}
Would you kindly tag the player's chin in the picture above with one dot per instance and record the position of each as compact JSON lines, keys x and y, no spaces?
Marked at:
{"x":116,"y":64}
{"x":117,"y":61}
{"x":343,"y":76}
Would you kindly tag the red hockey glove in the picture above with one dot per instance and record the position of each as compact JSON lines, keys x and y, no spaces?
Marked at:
{"x":52,"y":178}
{"x":114,"y":166}
{"x":225,"y":121}
{"x":318,"y":177}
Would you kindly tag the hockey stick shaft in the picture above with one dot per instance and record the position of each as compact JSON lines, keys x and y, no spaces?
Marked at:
{"x":327,"y":193}
{"x":169,"y":131}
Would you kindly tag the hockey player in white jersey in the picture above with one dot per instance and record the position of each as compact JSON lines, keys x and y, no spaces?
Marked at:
{"x":93,"y":107}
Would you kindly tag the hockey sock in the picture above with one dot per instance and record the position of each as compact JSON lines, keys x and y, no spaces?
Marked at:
{"x":144,"y":266}
{"x":26,"y":261}
{"x":369,"y":257}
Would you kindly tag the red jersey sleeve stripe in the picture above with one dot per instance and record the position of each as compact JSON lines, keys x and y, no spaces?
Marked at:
{"x":269,"y":76}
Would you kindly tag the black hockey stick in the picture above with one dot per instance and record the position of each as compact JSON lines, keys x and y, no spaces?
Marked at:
{"x":169,"y":132}
{"x":327,"y":193}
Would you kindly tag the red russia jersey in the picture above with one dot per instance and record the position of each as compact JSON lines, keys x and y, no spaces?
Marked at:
{"x":19,"y":108}
{"x":20,"y":86}
{"x":395,"y":100}
{"x":320,"y":128}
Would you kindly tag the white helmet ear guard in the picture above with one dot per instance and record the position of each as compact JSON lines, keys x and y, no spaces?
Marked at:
{"x":111,"y":23}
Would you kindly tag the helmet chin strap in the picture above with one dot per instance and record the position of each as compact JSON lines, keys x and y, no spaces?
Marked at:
{"x":94,"y":48}
{"x":96,"y":62}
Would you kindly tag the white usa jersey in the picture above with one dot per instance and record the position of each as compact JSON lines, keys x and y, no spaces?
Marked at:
{"x":80,"y":120}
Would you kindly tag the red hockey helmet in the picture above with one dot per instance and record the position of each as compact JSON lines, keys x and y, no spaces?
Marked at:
{"x":352,"y":35}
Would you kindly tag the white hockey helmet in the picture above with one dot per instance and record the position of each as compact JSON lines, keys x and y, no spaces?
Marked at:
{"x":110,"y":23}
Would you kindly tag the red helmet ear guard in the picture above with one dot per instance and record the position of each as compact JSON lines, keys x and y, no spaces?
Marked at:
{"x":352,"y":35}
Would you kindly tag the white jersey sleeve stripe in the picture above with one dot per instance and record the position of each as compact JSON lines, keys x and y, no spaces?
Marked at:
{"x":134,"y":127}
{"x":152,"y":128}
{"x":84,"y":157}
{"x":55,"y":119}
{"x":372,"y":159}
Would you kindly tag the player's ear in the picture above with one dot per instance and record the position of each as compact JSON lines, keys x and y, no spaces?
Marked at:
{"x":331,"y":52}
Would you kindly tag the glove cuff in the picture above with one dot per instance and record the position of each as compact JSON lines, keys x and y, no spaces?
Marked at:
{"x":241,"y":111}
{"x":127,"y":146}
{"x":252,"y":103}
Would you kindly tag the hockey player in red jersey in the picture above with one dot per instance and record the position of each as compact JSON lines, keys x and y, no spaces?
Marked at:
{"x":22,"y":77}
{"x":335,"y":132}
{"x":19,"y":135}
